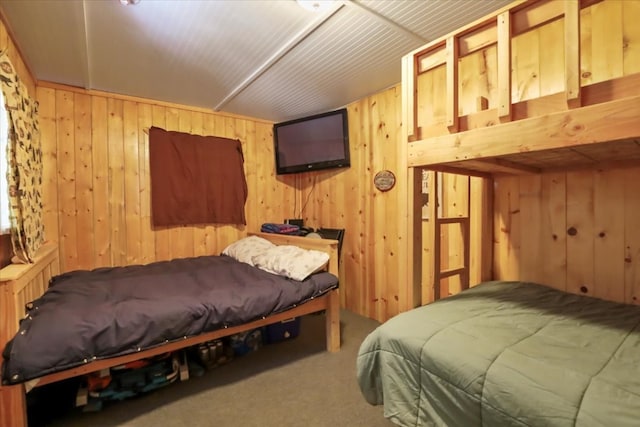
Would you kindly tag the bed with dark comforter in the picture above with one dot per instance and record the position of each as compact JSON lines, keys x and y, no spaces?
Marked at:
{"x":507,"y":354}
{"x":92,"y":315}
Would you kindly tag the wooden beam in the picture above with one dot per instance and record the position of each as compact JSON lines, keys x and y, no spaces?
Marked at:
{"x":572,"y":52}
{"x":408,"y":189}
{"x":459,"y":271}
{"x":609,"y":121}
{"x":465,"y":278}
{"x":507,"y":166}
{"x":479,"y":39}
{"x":437,"y":242}
{"x":459,"y":171}
{"x":415,"y":239}
{"x":332,"y":321}
{"x":431,"y":59}
{"x":595,"y":93}
{"x":504,"y":66}
{"x":610,"y":90}
{"x":452,"y":220}
{"x":452,"y":84}
{"x":409,"y":96}
{"x":486,"y":234}
{"x":536,"y":14}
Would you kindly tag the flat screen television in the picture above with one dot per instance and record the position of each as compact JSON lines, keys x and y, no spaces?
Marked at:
{"x":312,"y":143}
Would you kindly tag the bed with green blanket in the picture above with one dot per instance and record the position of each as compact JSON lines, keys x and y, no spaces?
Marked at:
{"x":506,"y":354}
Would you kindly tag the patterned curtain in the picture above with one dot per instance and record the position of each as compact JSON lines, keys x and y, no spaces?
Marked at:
{"x":25,"y":164}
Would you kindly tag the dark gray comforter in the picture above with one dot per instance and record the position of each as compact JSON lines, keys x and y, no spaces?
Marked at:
{"x":87,"y":315}
{"x":507,"y":354}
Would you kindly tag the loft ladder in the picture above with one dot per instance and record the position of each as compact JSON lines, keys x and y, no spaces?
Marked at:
{"x":439,"y":223}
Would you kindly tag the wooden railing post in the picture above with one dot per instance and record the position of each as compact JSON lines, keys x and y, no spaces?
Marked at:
{"x":572,"y":53}
{"x":452,"y":84}
{"x":504,"y":66}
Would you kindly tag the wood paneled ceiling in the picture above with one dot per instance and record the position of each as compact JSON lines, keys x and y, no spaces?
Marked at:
{"x":271,"y":60}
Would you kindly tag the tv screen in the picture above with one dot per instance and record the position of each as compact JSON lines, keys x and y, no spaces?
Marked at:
{"x":311,"y":143}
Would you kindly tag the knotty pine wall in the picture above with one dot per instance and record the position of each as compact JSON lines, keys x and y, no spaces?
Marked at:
{"x":97,"y":192}
{"x":578,"y":231}
{"x":371,"y":258}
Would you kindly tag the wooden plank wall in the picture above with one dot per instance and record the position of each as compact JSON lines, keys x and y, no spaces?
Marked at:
{"x":97,"y":200}
{"x":347,"y":198}
{"x":577,"y":231}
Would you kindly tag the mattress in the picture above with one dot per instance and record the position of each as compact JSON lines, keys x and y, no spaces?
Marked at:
{"x":506,"y":354}
{"x":107,"y":312}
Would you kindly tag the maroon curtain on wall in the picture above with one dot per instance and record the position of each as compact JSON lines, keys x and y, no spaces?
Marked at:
{"x":195,"y":179}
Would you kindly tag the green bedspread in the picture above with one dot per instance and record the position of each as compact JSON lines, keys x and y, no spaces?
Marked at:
{"x":507,"y":354}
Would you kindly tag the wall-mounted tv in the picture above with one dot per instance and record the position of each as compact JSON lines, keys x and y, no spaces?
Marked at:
{"x":312,"y":143}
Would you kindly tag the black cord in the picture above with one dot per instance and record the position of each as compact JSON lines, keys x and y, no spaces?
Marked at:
{"x":308,"y":196}
{"x":295,"y":196}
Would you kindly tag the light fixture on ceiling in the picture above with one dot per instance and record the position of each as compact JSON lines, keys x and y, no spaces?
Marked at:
{"x":316,"y":5}
{"x":129,"y":2}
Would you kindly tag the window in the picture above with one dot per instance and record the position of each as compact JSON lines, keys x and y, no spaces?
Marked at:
{"x":4,"y":168}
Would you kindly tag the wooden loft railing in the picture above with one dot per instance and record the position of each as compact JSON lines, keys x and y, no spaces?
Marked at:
{"x":454,"y":125}
{"x":497,"y":30}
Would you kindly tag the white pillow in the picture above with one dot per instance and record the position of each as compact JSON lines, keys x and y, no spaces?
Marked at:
{"x":246,"y":248}
{"x":291,"y":261}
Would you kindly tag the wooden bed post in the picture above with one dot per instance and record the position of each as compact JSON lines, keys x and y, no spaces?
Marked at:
{"x":20,"y":284}
{"x":13,"y":407}
{"x":332,"y":319}
{"x":332,"y":309}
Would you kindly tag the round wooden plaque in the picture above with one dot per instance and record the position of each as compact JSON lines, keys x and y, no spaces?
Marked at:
{"x":384,"y":180}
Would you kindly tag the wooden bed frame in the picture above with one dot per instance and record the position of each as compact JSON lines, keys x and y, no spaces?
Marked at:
{"x":20,"y":284}
{"x":468,"y":109}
